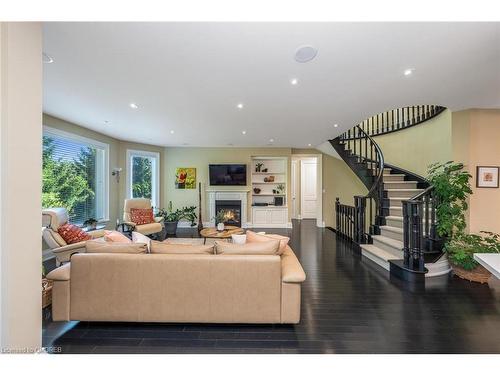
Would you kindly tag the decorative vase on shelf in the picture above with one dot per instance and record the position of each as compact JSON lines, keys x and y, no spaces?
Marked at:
{"x":220,"y":227}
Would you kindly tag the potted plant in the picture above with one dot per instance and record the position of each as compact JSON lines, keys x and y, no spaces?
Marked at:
{"x":258,"y":166}
{"x":90,"y":224}
{"x":461,"y":250}
{"x":280,"y":188}
{"x":452,"y":188}
{"x":219,"y":220}
{"x":171,"y":218}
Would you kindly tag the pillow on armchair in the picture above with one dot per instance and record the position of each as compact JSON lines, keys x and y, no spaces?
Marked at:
{"x":73,"y":234}
{"x":141,"y":216}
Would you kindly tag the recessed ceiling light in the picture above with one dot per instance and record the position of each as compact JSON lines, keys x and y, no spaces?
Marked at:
{"x":240,"y":106}
{"x":133,"y":106}
{"x":243,"y":132}
{"x":305,"y":54}
{"x":47,"y":59}
{"x":408,"y":72}
{"x":172,"y":131}
{"x":335,"y":125}
{"x":294,"y":81}
{"x":309,"y":144}
{"x":271,"y":140}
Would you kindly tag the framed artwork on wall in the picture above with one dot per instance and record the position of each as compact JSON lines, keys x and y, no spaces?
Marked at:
{"x":185,"y":178}
{"x":487,"y":177}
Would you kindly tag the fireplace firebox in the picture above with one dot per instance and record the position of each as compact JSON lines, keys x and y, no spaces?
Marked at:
{"x":232,"y":209}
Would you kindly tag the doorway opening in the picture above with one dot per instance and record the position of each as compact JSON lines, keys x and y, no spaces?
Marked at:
{"x":307,"y":187}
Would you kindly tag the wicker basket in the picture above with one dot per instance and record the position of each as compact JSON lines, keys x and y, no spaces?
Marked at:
{"x":46,"y":293}
{"x":478,"y":274}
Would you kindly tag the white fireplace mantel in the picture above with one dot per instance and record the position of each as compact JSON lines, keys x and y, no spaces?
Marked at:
{"x":233,"y":194}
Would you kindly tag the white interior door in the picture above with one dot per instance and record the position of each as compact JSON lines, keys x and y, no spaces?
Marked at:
{"x":295,"y":189}
{"x":308,"y":188}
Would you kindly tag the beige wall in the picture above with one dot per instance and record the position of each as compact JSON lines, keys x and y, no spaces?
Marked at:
{"x":338,"y":181}
{"x":415,"y":148}
{"x":476,"y":142}
{"x":200,"y":158}
{"x":117,"y":159}
{"x":20,"y":185}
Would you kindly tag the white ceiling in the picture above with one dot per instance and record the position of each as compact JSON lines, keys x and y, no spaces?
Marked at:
{"x":189,"y":77}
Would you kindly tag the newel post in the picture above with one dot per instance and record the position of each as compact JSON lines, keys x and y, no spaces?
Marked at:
{"x":359,"y":219}
{"x":337,"y":215}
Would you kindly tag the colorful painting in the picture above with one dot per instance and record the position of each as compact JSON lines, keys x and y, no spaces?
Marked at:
{"x":185,"y":178}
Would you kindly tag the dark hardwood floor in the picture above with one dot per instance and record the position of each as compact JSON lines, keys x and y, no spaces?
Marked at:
{"x":348,"y":306}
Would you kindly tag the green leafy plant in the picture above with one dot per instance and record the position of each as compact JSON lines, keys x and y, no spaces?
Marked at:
{"x":90,"y":221}
{"x":280,"y":188}
{"x":463,"y":246}
{"x":220,"y":217}
{"x":452,"y":187}
{"x":170,"y":215}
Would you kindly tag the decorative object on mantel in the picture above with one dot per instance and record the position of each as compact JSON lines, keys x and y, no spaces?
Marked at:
{"x":258,"y":167}
{"x":487,"y":177}
{"x":269,"y":179}
{"x":185,"y":178}
{"x":257,"y":190}
{"x":265,"y":170}
{"x":200,"y":223}
{"x":280,"y":189}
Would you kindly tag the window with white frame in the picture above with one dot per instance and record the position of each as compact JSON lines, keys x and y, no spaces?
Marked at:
{"x":143,"y":175}
{"x":75,"y":175}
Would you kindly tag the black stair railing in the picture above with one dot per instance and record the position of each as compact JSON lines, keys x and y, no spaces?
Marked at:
{"x":419,"y":228}
{"x":399,"y":119}
{"x":365,"y":157}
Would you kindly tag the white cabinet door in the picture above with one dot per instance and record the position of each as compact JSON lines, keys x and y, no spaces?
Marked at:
{"x":260,"y":216}
{"x":277,"y":216}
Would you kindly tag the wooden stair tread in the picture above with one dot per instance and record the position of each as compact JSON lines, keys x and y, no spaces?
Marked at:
{"x":389,"y":241}
{"x":382,"y":254}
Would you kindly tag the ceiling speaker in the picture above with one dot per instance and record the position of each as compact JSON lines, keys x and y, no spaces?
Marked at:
{"x":305,"y":54}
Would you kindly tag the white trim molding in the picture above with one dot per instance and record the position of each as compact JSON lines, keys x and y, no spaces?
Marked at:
{"x":237,"y":194}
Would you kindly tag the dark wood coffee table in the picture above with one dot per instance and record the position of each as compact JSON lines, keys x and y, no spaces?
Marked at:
{"x":212,"y":232}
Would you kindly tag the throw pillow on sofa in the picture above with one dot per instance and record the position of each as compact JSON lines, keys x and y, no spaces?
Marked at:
{"x":141,"y":216}
{"x":115,"y":236}
{"x":115,"y":247}
{"x":239,"y":239}
{"x":253,"y":237}
{"x":73,"y":234}
{"x":158,"y":247}
{"x":256,"y":248}
{"x":141,"y":238}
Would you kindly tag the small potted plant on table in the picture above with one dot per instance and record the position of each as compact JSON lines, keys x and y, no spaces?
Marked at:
{"x":90,"y":224}
{"x":220,"y":218}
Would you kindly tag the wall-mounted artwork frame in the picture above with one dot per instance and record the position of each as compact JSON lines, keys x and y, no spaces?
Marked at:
{"x":487,"y":177}
{"x":185,"y":178}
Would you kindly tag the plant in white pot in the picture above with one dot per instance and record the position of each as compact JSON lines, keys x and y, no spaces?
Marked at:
{"x":220,"y":218}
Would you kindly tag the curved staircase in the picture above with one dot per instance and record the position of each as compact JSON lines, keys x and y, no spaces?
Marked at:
{"x":394,"y":224}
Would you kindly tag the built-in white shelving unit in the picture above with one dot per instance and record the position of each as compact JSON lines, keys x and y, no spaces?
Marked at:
{"x":265,"y":213}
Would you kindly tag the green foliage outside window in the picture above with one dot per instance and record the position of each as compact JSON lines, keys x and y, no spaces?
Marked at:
{"x":142,"y":177}
{"x":68,"y":183}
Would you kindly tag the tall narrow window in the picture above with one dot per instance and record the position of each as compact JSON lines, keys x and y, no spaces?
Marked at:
{"x":75,"y":175}
{"x":143,"y":175}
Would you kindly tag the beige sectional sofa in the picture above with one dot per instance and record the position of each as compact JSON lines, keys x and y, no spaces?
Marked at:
{"x":200,"y":288}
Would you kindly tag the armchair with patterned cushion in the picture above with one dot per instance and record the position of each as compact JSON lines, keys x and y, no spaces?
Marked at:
{"x":138,"y":216}
{"x":55,"y":223}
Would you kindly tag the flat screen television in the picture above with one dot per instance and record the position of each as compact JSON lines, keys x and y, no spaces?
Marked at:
{"x":228,"y":174}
